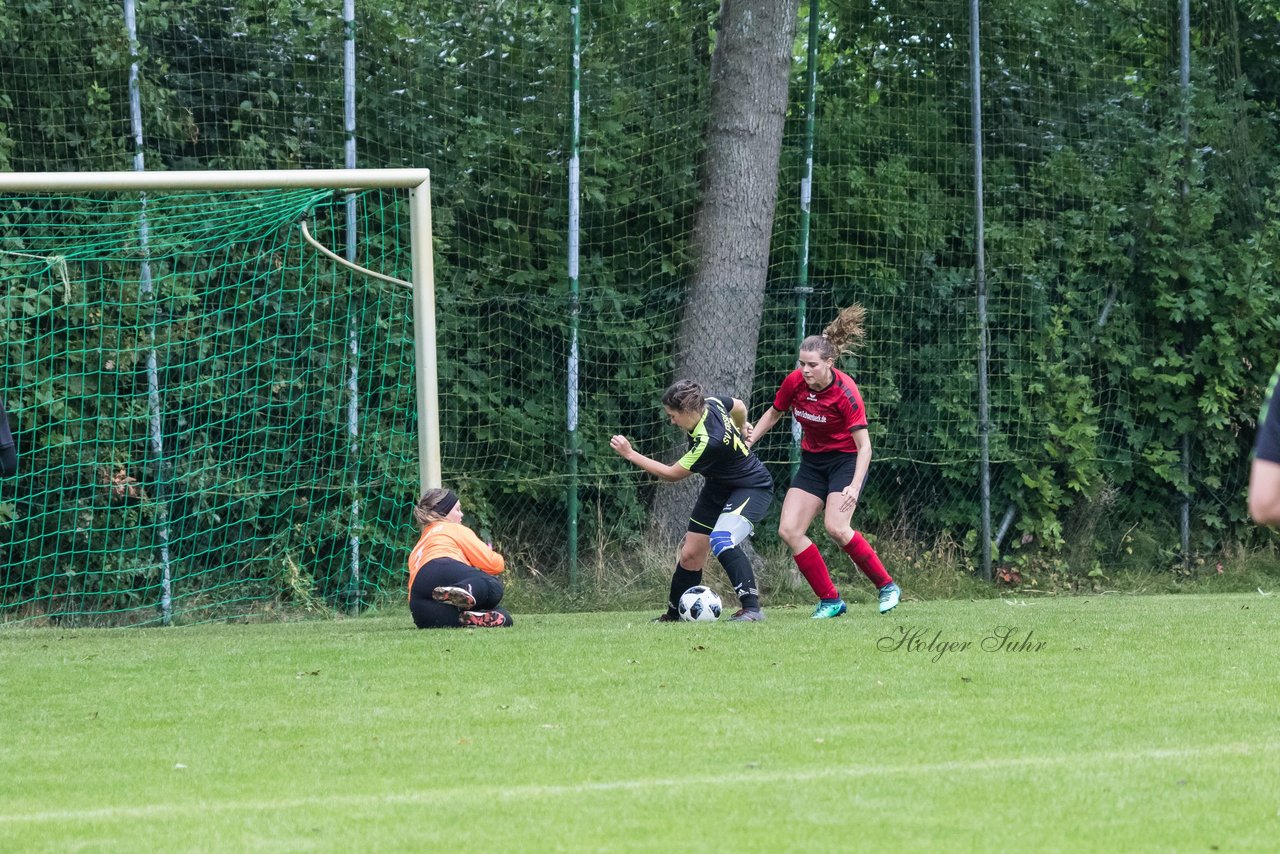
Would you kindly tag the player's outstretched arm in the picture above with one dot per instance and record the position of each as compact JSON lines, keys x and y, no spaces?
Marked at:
{"x":622,"y":446}
{"x":767,"y":419}
{"x":1264,"y":472}
{"x":862,"y":438}
{"x":1264,"y":492}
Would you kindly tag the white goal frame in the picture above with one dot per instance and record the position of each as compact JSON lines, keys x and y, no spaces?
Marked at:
{"x":416,"y":181}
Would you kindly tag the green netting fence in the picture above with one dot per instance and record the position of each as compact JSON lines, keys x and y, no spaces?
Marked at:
{"x":196,"y":445}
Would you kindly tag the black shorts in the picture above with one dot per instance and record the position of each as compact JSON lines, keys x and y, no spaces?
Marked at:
{"x":822,"y":473}
{"x":448,"y":572}
{"x":714,"y":499}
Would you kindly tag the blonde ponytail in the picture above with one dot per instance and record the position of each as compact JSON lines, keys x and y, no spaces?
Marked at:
{"x":845,"y":334}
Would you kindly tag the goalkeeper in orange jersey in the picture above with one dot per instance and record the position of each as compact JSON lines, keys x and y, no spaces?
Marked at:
{"x":736,"y":492}
{"x":835,"y":451}
{"x":452,"y":574}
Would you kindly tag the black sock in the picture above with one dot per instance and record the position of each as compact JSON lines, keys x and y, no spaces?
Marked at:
{"x":681,"y":580}
{"x":738,"y":567}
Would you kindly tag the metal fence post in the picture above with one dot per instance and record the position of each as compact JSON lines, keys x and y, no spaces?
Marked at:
{"x":575,"y":307}
{"x":147,"y":290}
{"x":980,"y":274}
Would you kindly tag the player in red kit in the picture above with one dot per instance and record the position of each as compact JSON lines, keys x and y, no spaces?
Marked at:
{"x":835,"y":451}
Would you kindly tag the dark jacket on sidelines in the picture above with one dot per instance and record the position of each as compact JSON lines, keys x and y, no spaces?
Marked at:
{"x":8,"y":455}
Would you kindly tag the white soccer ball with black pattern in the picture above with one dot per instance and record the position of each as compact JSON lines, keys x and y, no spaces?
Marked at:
{"x":699,"y":604}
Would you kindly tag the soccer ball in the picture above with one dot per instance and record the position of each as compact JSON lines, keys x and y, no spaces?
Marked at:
{"x":698,"y":604}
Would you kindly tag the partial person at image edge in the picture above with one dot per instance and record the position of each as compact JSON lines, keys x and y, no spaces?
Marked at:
{"x":8,"y":454}
{"x":1264,"y":472}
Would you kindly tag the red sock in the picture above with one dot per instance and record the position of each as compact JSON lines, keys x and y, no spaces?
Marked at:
{"x":814,"y":570}
{"x":867,"y":560}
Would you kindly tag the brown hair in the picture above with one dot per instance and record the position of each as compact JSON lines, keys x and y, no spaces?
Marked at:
{"x":424,"y":512}
{"x":684,"y":396}
{"x":843,"y":335}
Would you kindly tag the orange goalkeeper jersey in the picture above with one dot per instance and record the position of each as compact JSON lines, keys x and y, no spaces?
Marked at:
{"x":455,"y":540}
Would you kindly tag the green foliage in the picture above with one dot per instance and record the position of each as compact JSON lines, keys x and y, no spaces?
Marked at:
{"x":1131,"y":232}
{"x":1127,"y":262}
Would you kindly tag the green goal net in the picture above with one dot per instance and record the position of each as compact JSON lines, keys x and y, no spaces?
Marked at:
{"x":213,"y":418}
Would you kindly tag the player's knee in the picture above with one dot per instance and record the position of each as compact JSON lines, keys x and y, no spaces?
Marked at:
{"x":490,"y":592}
{"x":790,"y":533}
{"x":720,"y":541}
{"x":692,"y":557}
{"x":731,"y":530}
{"x":841,"y":532}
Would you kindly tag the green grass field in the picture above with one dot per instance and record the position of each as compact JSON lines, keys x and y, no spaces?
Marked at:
{"x":1104,"y":723}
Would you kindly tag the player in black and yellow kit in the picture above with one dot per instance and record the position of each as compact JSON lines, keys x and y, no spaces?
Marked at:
{"x":736,"y":494}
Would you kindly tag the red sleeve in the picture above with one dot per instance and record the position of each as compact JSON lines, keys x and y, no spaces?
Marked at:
{"x":477,"y":553}
{"x":787,"y":391}
{"x":855,"y":412}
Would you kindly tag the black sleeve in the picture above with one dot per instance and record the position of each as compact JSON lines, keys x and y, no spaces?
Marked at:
{"x":726,"y":402}
{"x":8,"y":455}
{"x":1267,"y":445}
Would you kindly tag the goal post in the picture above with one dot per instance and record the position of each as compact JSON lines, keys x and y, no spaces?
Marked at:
{"x":212,"y":405}
{"x":416,"y":181}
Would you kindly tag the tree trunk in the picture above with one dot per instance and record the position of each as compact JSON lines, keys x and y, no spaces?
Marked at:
{"x":719,"y":330}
